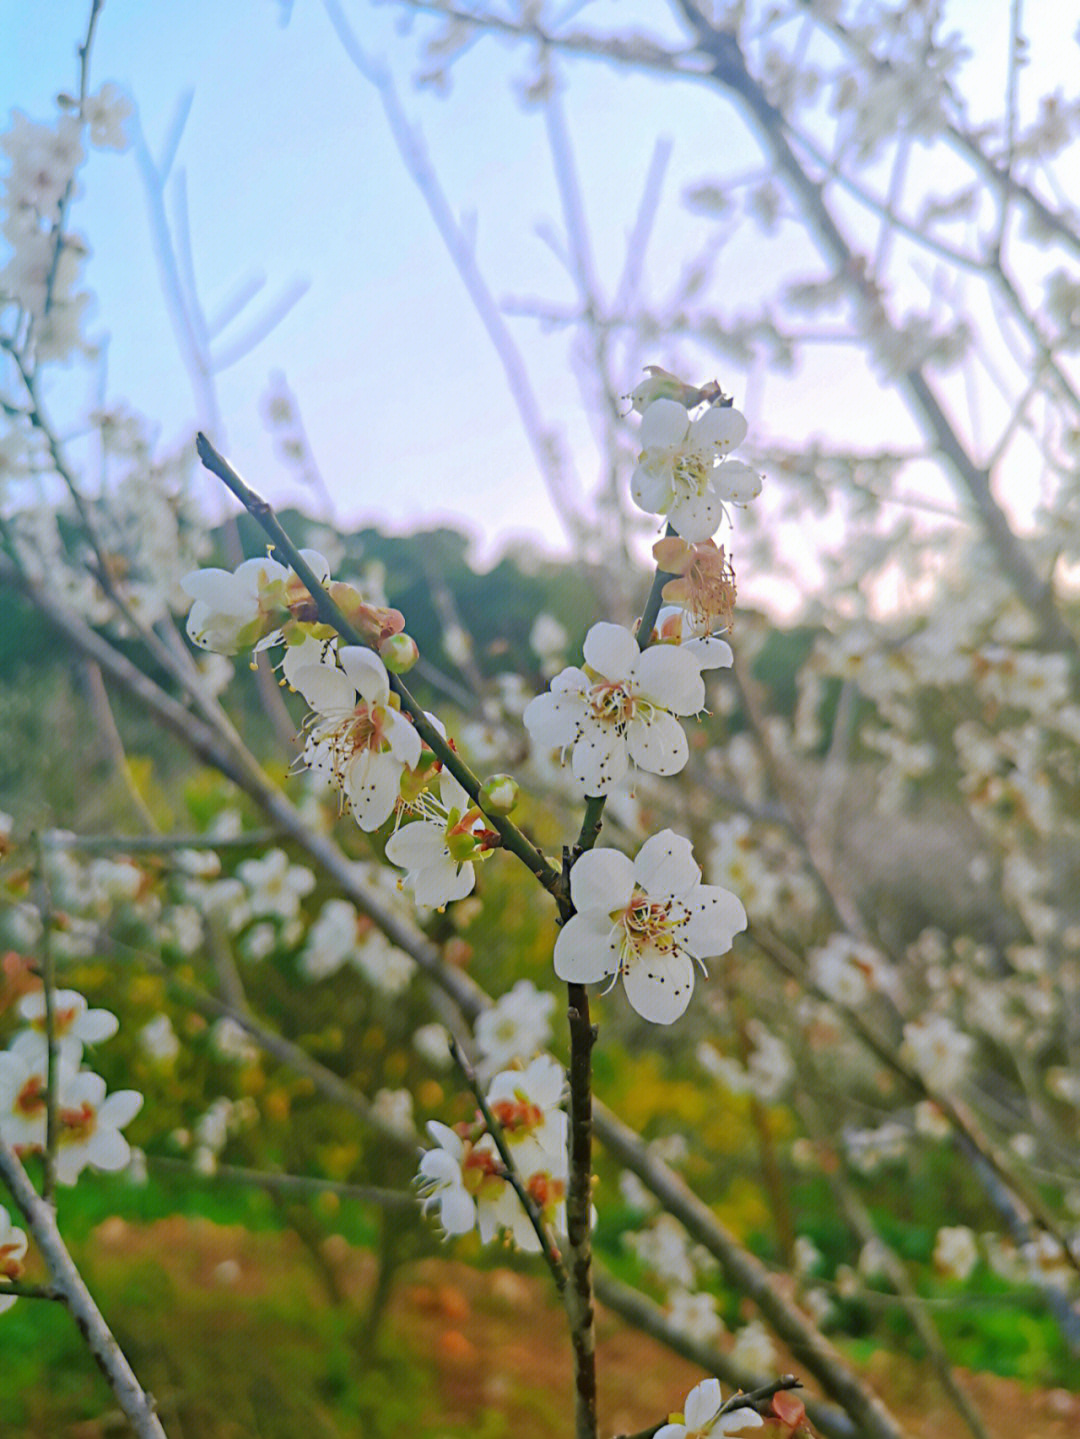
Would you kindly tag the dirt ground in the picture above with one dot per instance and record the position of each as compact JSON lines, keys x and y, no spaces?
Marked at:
{"x":496,"y":1344}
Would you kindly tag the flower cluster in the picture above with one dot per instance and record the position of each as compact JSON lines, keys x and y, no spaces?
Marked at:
{"x":88,"y":1121}
{"x":464,"y":1179}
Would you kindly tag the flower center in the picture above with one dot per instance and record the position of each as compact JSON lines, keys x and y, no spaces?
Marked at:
{"x":613,"y":702}
{"x":692,"y":472}
{"x":30,"y":1100}
{"x":10,"y":1264}
{"x":77,"y":1125}
{"x":517,"y":1114}
{"x":649,"y":924}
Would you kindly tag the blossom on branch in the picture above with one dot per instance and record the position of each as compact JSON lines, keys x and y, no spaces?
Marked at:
{"x":439,"y":851}
{"x":12,"y":1251}
{"x":682,"y":471}
{"x":646,"y":921}
{"x":357,"y":737}
{"x":620,"y":709}
{"x":701,"y":1417}
{"x":246,"y":608}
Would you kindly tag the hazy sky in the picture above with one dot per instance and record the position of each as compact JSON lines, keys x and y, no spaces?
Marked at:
{"x":291,"y":172}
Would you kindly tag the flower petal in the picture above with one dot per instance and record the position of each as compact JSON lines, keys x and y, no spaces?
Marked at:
{"x":659,"y":984}
{"x":554,"y":720}
{"x":697,"y":517}
{"x":737,"y":482}
{"x":665,"y":865}
{"x":670,"y":675}
{"x":720,"y":429}
{"x":703,"y":1402}
{"x":716,"y":917}
{"x":372,"y":783}
{"x":664,"y":424}
{"x":367,"y":672}
{"x":602,"y":879}
{"x":658,"y":743}
{"x":651,"y":489}
{"x":325,"y":688}
{"x":600,"y":759}
{"x":587,"y":948}
{"x":611,"y":650}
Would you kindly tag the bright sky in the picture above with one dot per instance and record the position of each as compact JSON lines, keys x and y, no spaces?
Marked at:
{"x":291,"y":173}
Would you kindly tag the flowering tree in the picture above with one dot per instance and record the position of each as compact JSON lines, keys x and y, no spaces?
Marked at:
{"x":868,"y":851}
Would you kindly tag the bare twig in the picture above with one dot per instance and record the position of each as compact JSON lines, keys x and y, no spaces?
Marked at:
{"x":41,"y":1222}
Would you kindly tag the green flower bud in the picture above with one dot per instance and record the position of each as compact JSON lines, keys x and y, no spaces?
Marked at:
{"x":399,"y":653}
{"x":499,"y":794}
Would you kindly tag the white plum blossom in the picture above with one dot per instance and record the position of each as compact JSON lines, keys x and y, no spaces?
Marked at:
{"x":89,"y":1125}
{"x":753,"y":1351}
{"x":701,"y":1417}
{"x":678,"y":474}
{"x":384,"y":966}
{"x":619,"y":710}
{"x":938,"y":1050}
{"x":438,"y":851}
{"x":676,"y":626}
{"x":956,"y":1251}
{"x":694,"y":1315}
{"x":158,"y":1040}
{"x":463,"y":1176}
{"x":74,"y":1024}
{"x":23,"y":1082}
{"x":646,"y":921}
{"x":357,"y":737}
{"x":12,"y":1252}
{"x":442,"y":1178}
{"x":245,"y":608}
{"x":274,"y":885}
{"x":516,"y":1026}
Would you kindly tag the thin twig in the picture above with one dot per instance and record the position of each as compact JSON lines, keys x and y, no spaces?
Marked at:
{"x":41,"y":1222}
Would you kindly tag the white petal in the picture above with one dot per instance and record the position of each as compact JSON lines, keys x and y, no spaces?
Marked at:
{"x":452,"y":792}
{"x":602,"y":879}
{"x":95,"y":1025}
{"x":697,"y":517}
{"x":664,"y":425}
{"x":405,"y":743}
{"x":671,"y":676}
{"x":658,"y":744}
{"x":586,"y":950}
{"x":251,"y":575}
{"x":325,"y":688}
{"x":120,"y":1108}
{"x":719,"y":430}
{"x":611,"y":650}
{"x":665,"y":865}
{"x":367,"y":672}
{"x":554,"y":720}
{"x":457,"y":1211}
{"x":415,"y":845}
{"x":704,"y":1400}
{"x":737,"y":482}
{"x":737,"y":1420}
{"x":443,"y":882}
{"x":372,"y":783}
{"x":217,"y":588}
{"x":600,"y":759}
{"x":651,"y":489}
{"x":109,"y":1150}
{"x":710,"y":652}
{"x":716,"y":917}
{"x":446,"y":1137}
{"x":658,"y":985}
{"x":318,"y":563}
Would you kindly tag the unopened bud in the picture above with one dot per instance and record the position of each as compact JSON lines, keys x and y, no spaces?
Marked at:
{"x":499,"y":794}
{"x":399,"y":653}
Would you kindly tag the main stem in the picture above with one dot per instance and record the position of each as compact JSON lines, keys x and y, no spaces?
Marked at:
{"x":578,"y":1295}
